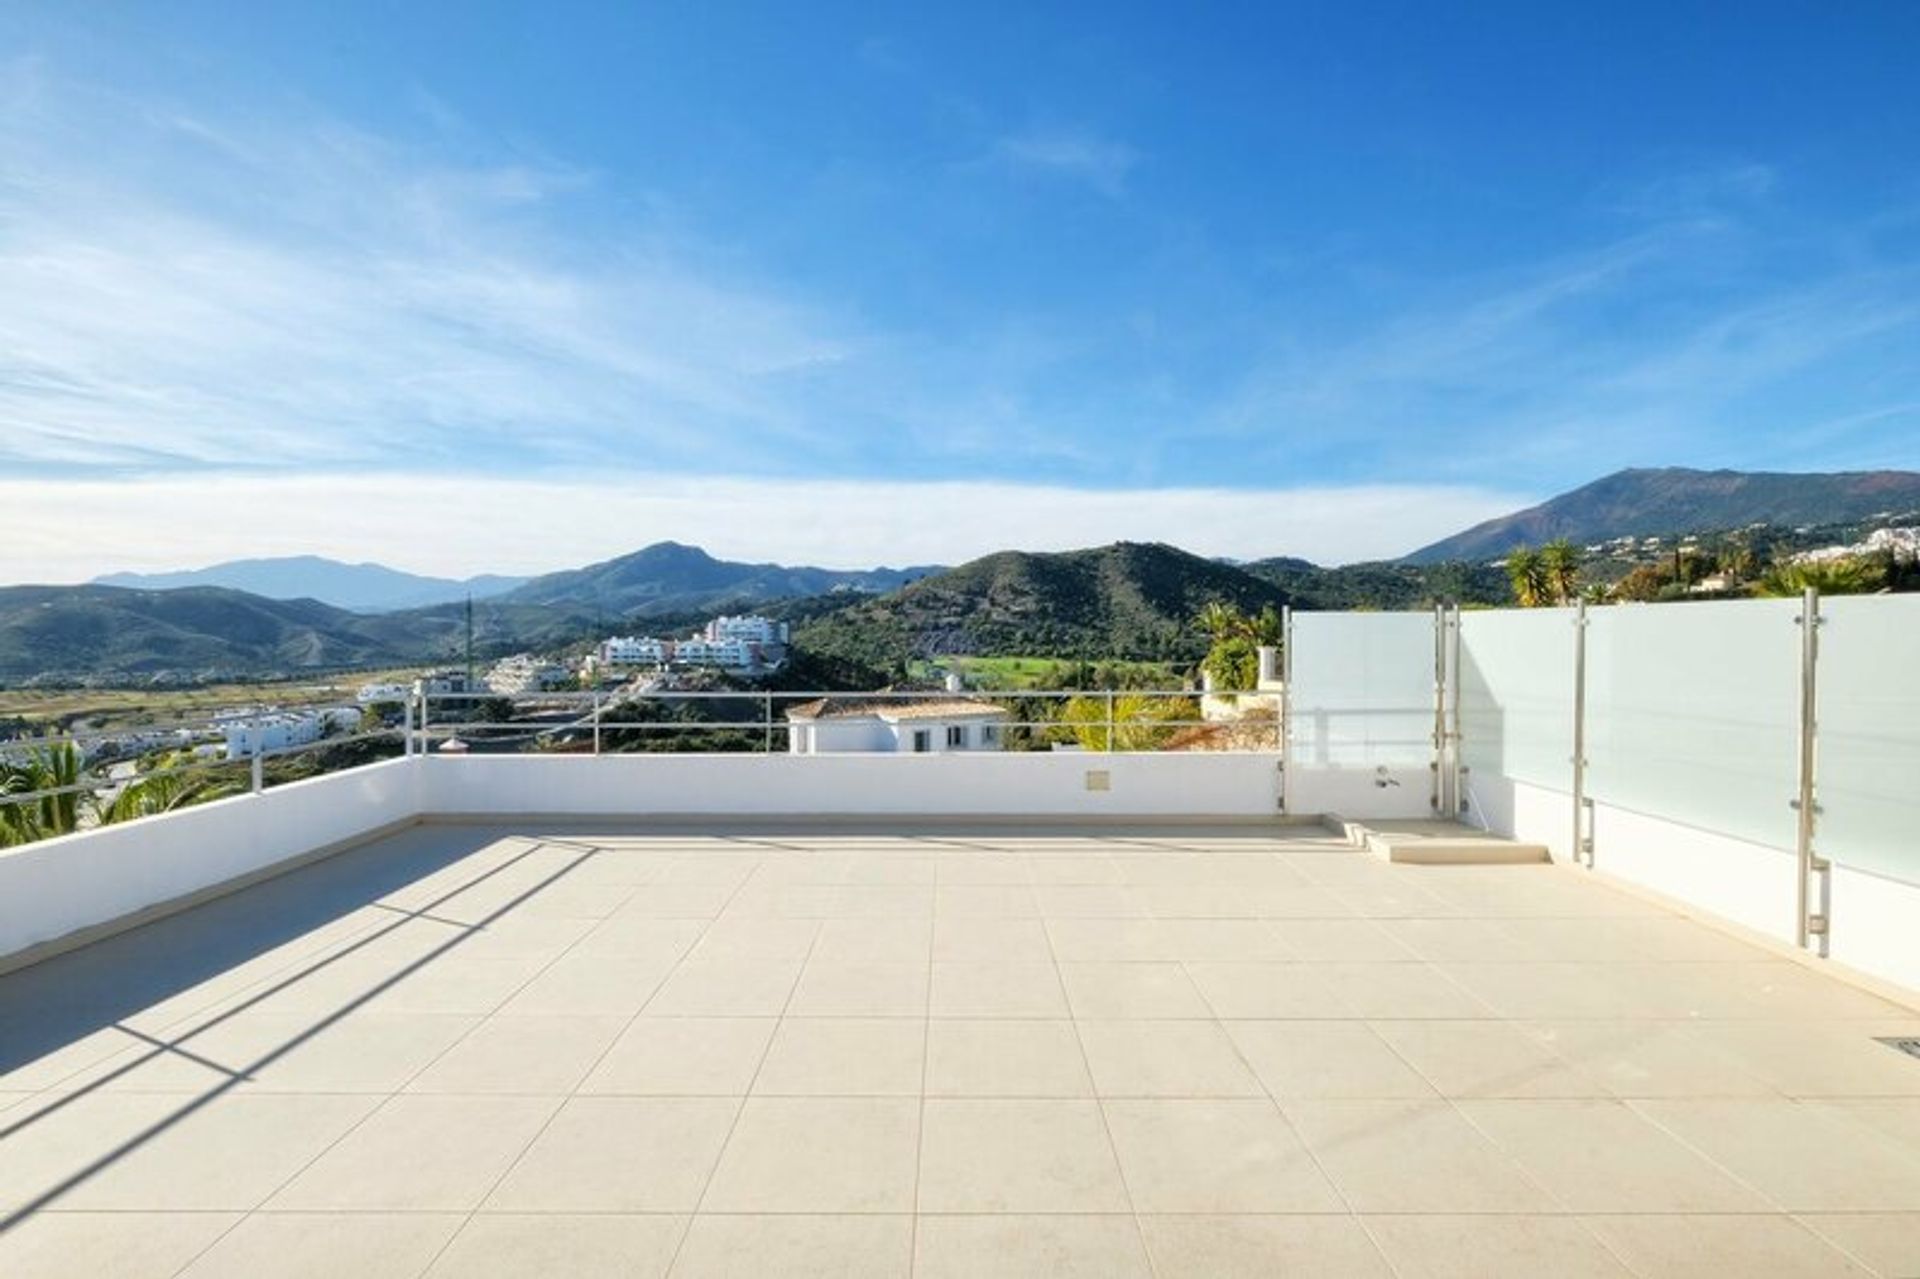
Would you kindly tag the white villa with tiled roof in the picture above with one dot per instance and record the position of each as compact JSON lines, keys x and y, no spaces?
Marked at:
{"x":906,"y":725}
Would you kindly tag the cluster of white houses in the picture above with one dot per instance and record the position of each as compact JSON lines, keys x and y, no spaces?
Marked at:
{"x":730,"y":643}
{"x":261,"y":730}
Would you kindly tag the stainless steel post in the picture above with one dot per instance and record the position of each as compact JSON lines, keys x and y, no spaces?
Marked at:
{"x":1109,"y":700}
{"x":1439,"y":702}
{"x":406,"y":727}
{"x":1582,"y":839}
{"x":1810,"y":923}
{"x":596,"y":723}
{"x":259,"y":766}
{"x":1456,"y":801}
{"x":767,"y":708}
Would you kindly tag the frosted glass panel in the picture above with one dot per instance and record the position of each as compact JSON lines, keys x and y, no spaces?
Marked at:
{"x":1362,"y":690}
{"x":1693,"y":714}
{"x":1516,"y":695}
{"x":1867,"y":770}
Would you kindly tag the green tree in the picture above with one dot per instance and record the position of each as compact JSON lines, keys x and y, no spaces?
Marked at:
{"x":1560,"y":564}
{"x":1527,"y":571}
{"x":53,"y":767}
{"x":1852,"y":575}
{"x":151,"y":796}
{"x":1140,"y":722}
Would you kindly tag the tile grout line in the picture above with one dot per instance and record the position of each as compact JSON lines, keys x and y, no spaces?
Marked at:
{"x":766,"y":1050}
{"x":387,"y":1099}
{"x":632,"y":892}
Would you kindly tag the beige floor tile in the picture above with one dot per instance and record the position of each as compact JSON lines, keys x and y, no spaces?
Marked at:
{"x":450,"y":984}
{"x":1223,"y":941}
{"x":726,"y":988}
{"x":1020,"y":1058}
{"x":985,"y":901}
{"x":597,"y":1246}
{"x":1491,"y":1247}
{"x":1401,"y":991}
{"x":1325,"y":1059}
{"x":1322,"y":941}
{"x":874,"y":941}
{"x":1818,"y":1060}
{"x":1137,"y":991}
{"x":280,"y":1052}
{"x":230,"y":1153}
{"x":844,"y":1057}
{"x":733,"y":937}
{"x":1412,"y":1156}
{"x":1887,"y":1242}
{"x":1754,"y":1247}
{"x":1107,"y":940}
{"x":683,"y":1057}
{"x":1264,"y":991}
{"x":1088,"y":901}
{"x":641,"y":935}
{"x":323,"y":1245}
{"x":1600,"y":1156}
{"x":818,"y":1154}
{"x":860,"y":990}
{"x":797,"y":1247}
{"x":1485,"y":1059}
{"x":1800,"y":1157}
{"x":1545,"y":992}
{"x":1215,"y":1156}
{"x":1450,"y":941}
{"x":619,"y":1154}
{"x":1650,"y":1058}
{"x":1247,"y":1247}
{"x":591,"y":986}
{"x":1014,"y":1247}
{"x":533,"y":1055}
{"x":974,"y":989}
{"x":1165,"y":1059}
{"x":112,"y":1245}
{"x":967,"y":869}
{"x":996,"y":1155}
{"x":675,"y":901}
{"x":992,"y":941}
{"x":420,"y":1153}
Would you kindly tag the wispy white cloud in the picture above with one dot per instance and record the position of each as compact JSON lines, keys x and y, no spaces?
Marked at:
{"x":194,"y":292}
{"x":466,"y":524}
{"x":1077,"y":154}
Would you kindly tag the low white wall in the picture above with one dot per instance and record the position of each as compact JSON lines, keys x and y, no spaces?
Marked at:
{"x":1523,"y":811}
{"x":1877,"y":924}
{"x":983,"y":784}
{"x":61,"y":886}
{"x":1356,"y":792}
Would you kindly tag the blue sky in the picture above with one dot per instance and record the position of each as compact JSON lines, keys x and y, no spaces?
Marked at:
{"x":861,"y":283}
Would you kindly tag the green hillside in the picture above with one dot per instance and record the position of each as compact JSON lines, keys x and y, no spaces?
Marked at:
{"x":1130,"y":601}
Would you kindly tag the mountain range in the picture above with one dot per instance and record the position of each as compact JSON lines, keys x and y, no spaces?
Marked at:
{"x":1667,"y":500}
{"x":362,"y":588}
{"x":1123,"y":600}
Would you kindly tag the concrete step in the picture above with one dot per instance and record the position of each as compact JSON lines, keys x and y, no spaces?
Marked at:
{"x":1439,"y":843}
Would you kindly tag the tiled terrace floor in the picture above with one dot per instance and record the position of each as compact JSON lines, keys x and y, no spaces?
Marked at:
{"x":1049,"y":1052}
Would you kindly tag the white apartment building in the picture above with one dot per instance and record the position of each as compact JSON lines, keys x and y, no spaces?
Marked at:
{"x":525,"y":673}
{"x":753,"y":630}
{"x":934,"y":726}
{"x":635,"y":650}
{"x":250,"y":732}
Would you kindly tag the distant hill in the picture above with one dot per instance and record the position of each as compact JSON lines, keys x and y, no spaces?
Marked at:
{"x":362,"y":588}
{"x":669,"y":577}
{"x":200,"y":633}
{"x":1387,"y":586}
{"x":1649,"y":503}
{"x":1127,"y":600}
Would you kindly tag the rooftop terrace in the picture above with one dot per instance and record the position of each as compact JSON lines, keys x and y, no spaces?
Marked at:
{"x":905,"y":1048}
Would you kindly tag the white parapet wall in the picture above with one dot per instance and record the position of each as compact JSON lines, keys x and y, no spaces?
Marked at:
{"x":64,"y":889}
{"x":977,"y":784}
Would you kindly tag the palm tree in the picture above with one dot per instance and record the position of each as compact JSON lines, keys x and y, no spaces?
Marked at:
{"x":1266,"y":628}
{"x":55,"y":767}
{"x":1560,"y":570}
{"x":166,"y":793}
{"x":1221,"y":620}
{"x":1139,"y":723}
{"x":1527,"y":572}
{"x":1850,"y":576}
